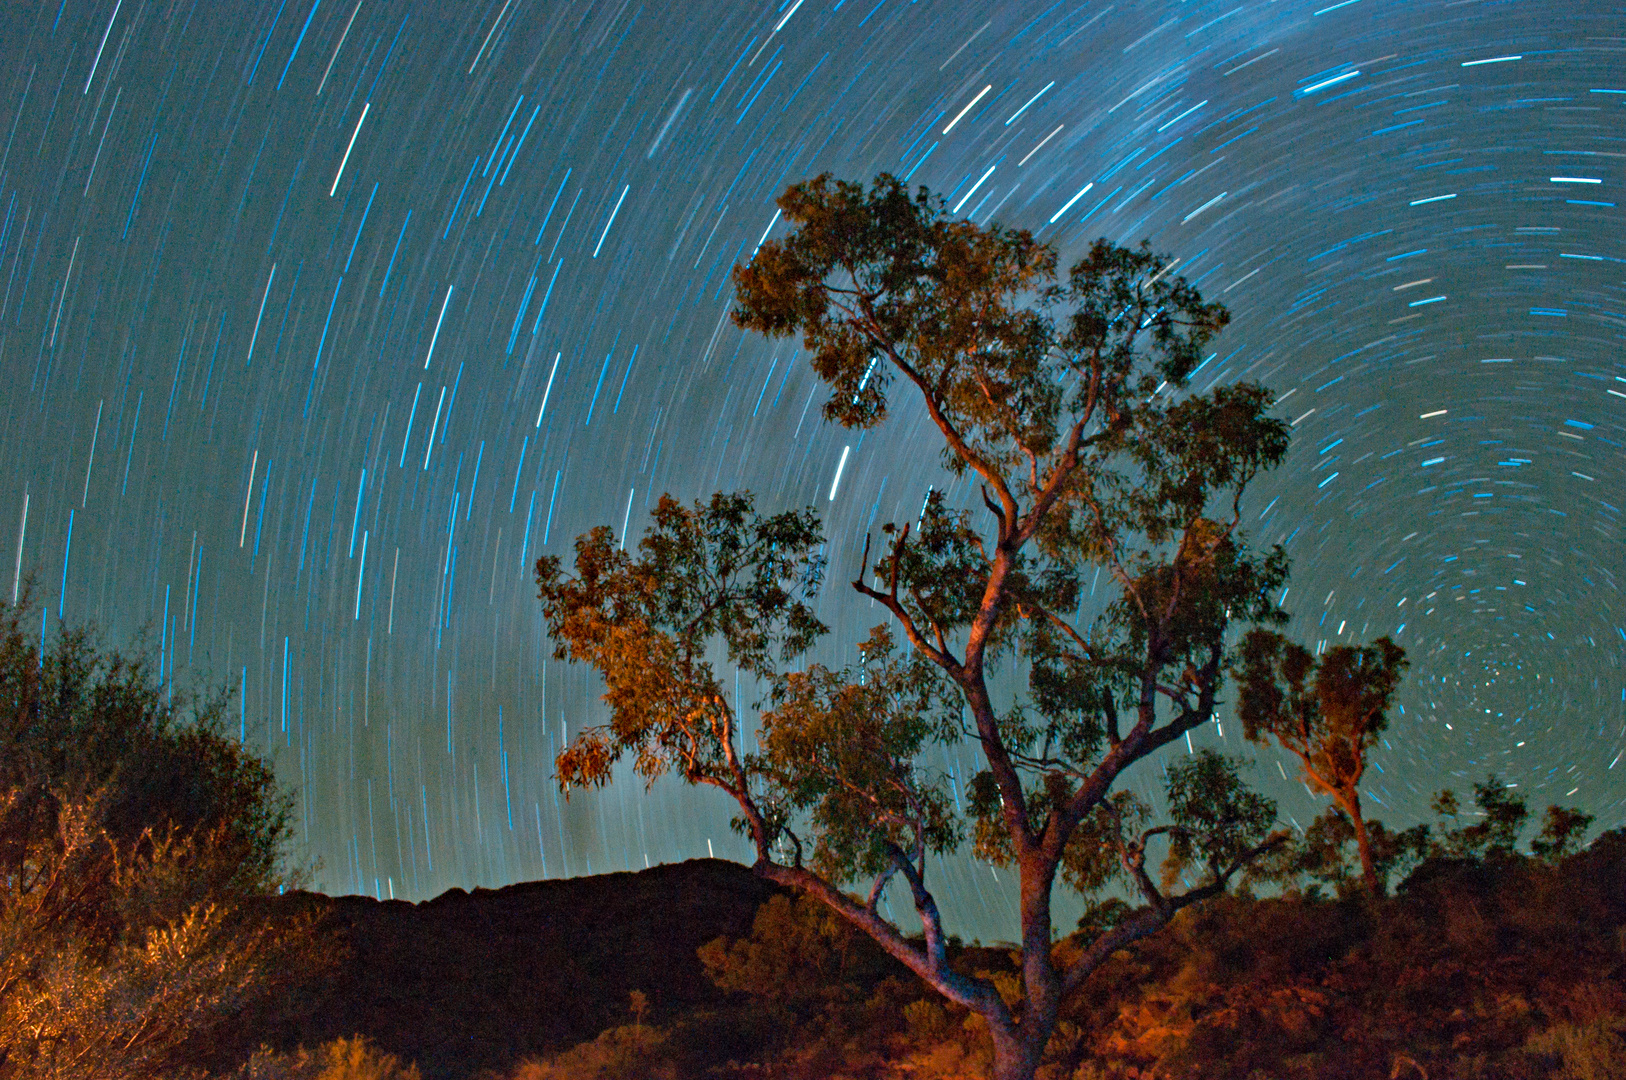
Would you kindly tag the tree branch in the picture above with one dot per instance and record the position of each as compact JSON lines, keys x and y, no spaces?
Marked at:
{"x":941,"y":657}
{"x":1156,"y":915}
{"x":930,"y":963}
{"x":934,"y":409}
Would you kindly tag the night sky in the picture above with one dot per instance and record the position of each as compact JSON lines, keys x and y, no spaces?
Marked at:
{"x":320,"y":322}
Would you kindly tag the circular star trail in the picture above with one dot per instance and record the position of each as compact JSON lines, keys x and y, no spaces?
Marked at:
{"x":320,"y":321}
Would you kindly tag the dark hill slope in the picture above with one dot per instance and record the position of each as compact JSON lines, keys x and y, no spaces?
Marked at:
{"x":470,"y":981}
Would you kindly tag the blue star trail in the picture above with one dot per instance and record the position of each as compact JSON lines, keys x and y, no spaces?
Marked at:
{"x":292,"y":294}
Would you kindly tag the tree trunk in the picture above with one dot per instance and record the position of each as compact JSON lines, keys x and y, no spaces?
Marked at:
{"x":1016,"y":1057}
{"x":1363,"y":843}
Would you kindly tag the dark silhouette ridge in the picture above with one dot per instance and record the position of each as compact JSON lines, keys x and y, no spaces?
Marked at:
{"x":478,"y":980}
{"x":1507,"y":966}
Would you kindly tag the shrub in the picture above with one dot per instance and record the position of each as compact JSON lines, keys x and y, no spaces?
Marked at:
{"x":137,"y":843}
{"x":341,"y":1059}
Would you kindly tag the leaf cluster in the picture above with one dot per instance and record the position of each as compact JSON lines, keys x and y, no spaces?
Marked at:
{"x":841,"y":750}
{"x":1097,"y":852}
{"x":1217,"y":819}
{"x":943,"y":287}
{"x":82,"y":719}
{"x":1327,"y":711}
{"x":713,"y":572}
{"x":1051,"y":392}
{"x":883,"y":283}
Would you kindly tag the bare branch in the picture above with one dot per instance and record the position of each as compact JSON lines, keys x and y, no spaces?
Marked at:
{"x":930,"y":963}
{"x":1156,"y":915}
{"x":993,"y":508}
{"x":939,"y":656}
{"x":1067,"y":628}
{"x":956,"y":441}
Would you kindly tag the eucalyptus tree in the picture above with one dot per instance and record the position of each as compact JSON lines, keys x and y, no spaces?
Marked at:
{"x":1063,"y":407}
{"x":1328,"y":712}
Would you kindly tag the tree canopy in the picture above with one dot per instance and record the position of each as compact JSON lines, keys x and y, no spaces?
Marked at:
{"x":1065,"y":410}
{"x":1327,"y":712}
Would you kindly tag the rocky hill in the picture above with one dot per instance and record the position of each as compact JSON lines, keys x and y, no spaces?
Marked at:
{"x":477,"y":980}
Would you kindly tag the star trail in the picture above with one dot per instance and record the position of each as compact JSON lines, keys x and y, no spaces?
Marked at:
{"x":320,"y":321}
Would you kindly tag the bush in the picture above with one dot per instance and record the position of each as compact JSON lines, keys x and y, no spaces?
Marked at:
{"x":137,"y":842}
{"x":622,"y":1053}
{"x":341,"y":1059}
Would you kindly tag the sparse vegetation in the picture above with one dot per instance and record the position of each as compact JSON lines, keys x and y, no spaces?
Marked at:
{"x":1500,"y":952}
{"x":1506,"y":966}
{"x":342,"y":1059}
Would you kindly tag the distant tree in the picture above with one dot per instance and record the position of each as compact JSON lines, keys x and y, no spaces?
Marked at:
{"x":1328,"y":713}
{"x":1065,"y":404}
{"x":138,"y":843}
{"x":1502,"y":814}
{"x":1322,"y":853}
{"x":1562,"y":829}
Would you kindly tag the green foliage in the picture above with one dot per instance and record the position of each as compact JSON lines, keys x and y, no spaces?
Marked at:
{"x":840,"y":750}
{"x":82,"y":719}
{"x":137,"y":845}
{"x":1329,"y":713}
{"x":1094,"y":857}
{"x":1217,"y":818}
{"x":1323,"y":853}
{"x":1014,"y":367}
{"x":714,"y":572}
{"x":1502,"y":815}
{"x":1396,"y":854}
{"x":869,"y":271}
{"x":1103,"y":915}
{"x":947,"y":288}
{"x":1491,"y":832}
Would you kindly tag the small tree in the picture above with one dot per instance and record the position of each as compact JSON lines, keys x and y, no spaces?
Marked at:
{"x":1328,"y":713}
{"x":1502,"y":815}
{"x":1562,"y":829}
{"x":1065,"y":404}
